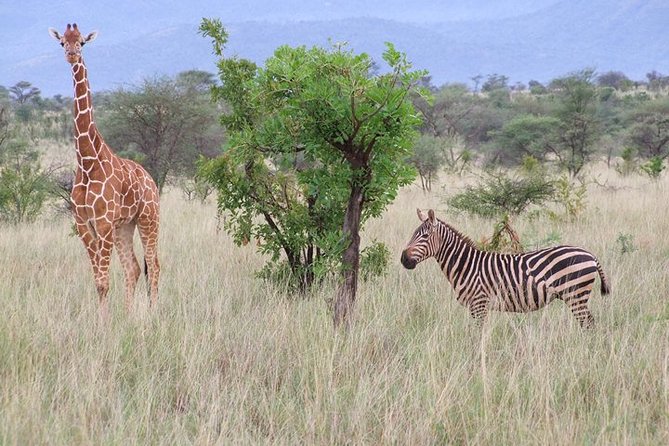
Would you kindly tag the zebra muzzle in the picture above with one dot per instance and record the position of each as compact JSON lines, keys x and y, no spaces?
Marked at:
{"x":407,"y":261}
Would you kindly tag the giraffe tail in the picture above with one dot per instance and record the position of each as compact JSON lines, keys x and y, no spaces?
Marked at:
{"x":605,"y":285}
{"x":146,"y":270}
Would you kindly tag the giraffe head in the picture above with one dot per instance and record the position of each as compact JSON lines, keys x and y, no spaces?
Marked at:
{"x":72,"y":41}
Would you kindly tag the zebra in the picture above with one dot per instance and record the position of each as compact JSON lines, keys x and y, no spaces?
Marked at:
{"x":520,"y":283}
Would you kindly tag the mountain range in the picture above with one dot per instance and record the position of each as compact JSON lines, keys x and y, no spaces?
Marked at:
{"x":521,"y":39}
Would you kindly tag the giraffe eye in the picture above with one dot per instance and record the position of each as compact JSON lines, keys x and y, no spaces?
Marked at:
{"x":62,"y":43}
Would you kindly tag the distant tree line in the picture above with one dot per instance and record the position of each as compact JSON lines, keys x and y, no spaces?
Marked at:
{"x":167,"y":123}
{"x":566,"y":122}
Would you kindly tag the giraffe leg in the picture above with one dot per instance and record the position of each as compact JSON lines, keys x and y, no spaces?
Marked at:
{"x":104,"y":251}
{"x":148,"y":232}
{"x":123,"y":242}
{"x":578,"y":304}
{"x":90,"y":243}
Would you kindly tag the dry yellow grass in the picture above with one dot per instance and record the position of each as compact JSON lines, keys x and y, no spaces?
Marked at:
{"x":225,"y":359}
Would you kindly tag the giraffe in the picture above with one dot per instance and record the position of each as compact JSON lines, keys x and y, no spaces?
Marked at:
{"x":111,"y":196}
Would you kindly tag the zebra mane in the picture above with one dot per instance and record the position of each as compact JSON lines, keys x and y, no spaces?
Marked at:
{"x":459,"y":235}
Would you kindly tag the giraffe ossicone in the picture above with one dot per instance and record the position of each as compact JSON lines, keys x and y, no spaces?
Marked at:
{"x":111,"y":196}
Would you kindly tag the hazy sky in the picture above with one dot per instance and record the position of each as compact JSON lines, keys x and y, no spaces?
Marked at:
{"x":453,"y":39}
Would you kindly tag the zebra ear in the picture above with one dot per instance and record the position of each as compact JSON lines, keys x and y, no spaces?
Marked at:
{"x":430,"y":215}
{"x":422,"y":216}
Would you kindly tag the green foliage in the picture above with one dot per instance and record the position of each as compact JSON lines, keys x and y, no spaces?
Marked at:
{"x":526,"y":135}
{"x":165,"y":124}
{"x":428,"y":158}
{"x":570,"y":196}
{"x":625,"y":243}
{"x":495,"y":82}
{"x":536,"y":87}
{"x":614,"y":79}
{"x":578,"y":125}
{"x":629,"y":163}
{"x":531,"y":167}
{"x":648,"y":128}
{"x":312,"y":135}
{"x":24,"y":185}
{"x":504,"y":238}
{"x":654,"y":167}
{"x":195,"y":187}
{"x":214,"y":29}
{"x":23,"y":92}
{"x":501,"y":195}
{"x":657,"y":81}
{"x":374,"y":260}
{"x":444,"y":113}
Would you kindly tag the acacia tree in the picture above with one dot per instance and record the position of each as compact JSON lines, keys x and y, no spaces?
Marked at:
{"x":23,"y":91}
{"x":525,"y":135}
{"x":578,"y":127}
{"x":428,"y":158}
{"x":648,"y":128}
{"x":165,"y":124}
{"x":345,"y":129}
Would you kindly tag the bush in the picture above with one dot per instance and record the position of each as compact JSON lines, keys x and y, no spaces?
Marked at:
{"x":428,"y":158}
{"x":629,"y":162}
{"x":501,"y":197}
{"x":570,"y":196}
{"x":653,"y":167}
{"x":24,"y":185}
{"x":374,"y":260}
{"x":195,"y":187}
{"x":626,"y":243}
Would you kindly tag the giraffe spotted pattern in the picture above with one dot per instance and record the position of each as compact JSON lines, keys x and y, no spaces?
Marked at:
{"x":524,"y":282}
{"x":111,"y":196}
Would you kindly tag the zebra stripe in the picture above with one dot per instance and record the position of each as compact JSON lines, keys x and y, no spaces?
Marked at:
{"x":525,"y":282}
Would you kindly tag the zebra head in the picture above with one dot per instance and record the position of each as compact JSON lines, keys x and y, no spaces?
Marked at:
{"x":423,"y":243}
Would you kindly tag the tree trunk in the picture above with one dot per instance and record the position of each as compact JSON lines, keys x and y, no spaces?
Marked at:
{"x":343,"y":304}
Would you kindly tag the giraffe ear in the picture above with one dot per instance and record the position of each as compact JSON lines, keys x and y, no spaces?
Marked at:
{"x":53,"y":33}
{"x":91,"y":37}
{"x":422,"y":216}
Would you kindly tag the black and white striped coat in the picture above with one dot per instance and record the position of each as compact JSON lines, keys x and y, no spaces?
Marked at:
{"x":524,"y":282}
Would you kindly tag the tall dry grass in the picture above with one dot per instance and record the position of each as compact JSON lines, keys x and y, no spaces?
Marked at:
{"x":226,"y":359}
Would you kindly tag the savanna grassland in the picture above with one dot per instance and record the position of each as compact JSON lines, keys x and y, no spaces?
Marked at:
{"x":227,"y":359}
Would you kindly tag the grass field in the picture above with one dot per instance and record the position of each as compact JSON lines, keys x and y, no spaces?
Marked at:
{"x":226,"y":359}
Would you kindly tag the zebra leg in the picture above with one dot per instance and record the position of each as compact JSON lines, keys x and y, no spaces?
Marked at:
{"x":578,"y":304}
{"x":478,"y":308}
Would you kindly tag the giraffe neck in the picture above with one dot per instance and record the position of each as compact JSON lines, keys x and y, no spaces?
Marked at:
{"x":89,"y":142}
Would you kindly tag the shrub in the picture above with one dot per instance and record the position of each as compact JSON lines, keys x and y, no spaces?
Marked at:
{"x":629,"y":162}
{"x":24,"y":185}
{"x":500,"y":198}
{"x":653,"y":167}
{"x":625,"y":243}
{"x":571,"y":197}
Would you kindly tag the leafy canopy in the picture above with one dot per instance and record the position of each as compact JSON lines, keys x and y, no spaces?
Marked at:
{"x":303,"y":132}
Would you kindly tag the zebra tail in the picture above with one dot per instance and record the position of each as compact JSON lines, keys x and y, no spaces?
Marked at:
{"x":605,"y":285}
